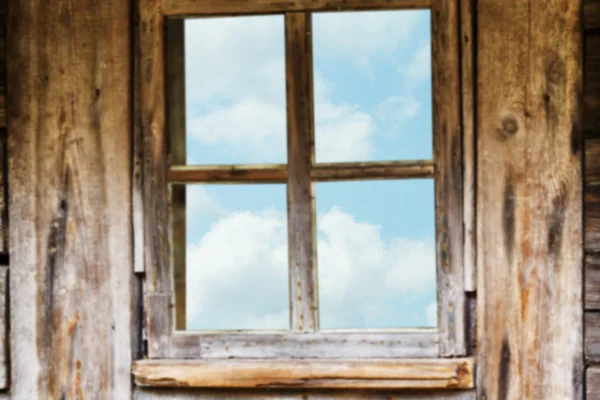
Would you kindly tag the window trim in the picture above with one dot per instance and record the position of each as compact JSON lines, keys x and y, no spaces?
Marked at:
{"x":152,"y":174}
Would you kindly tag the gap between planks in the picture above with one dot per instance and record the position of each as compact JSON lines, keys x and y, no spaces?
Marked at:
{"x":454,"y":373}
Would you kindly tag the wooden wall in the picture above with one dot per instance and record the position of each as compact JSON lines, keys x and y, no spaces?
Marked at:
{"x":591,"y":125}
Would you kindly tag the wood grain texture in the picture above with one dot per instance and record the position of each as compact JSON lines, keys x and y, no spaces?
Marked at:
{"x":4,"y":356}
{"x":177,"y":155}
{"x":529,"y":200}
{"x":591,"y":89}
{"x":152,"y":120}
{"x":269,"y":173}
{"x":593,"y":383}
{"x":331,"y":345}
{"x":592,"y":336}
{"x":592,"y":282}
{"x":592,"y":161}
{"x":372,"y":170}
{"x":279,"y":394}
{"x":300,"y":190}
{"x":448,"y":177}
{"x":213,"y":7}
{"x":396,"y":374}
{"x":3,"y":4}
{"x":468,"y":141}
{"x":69,"y":105}
{"x":591,"y":14}
{"x":591,"y":217}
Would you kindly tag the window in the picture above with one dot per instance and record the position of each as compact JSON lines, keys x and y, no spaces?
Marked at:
{"x":306,"y":335}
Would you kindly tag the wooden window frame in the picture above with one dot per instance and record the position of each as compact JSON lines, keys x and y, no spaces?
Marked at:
{"x":403,"y":358}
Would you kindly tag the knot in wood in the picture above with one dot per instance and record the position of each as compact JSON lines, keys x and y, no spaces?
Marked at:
{"x":510,"y":125}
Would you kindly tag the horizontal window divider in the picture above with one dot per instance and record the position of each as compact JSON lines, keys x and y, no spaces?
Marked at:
{"x":250,"y":173}
{"x":325,"y":172}
{"x":451,"y":373}
{"x":411,"y":343}
{"x":191,"y":8}
{"x":321,"y":172}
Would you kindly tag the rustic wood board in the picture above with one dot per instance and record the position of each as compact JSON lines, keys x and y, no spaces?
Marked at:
{"x":592,"y":282}
{"x":4,"y":376}
{"x":529,"y":200}
{"x":182,"y":394}
{"x":591,"y":89}
{"x":591,"y":14}
{"x":593,"y":383}
{"x":71,"y":294}
{"x":592,"y":336}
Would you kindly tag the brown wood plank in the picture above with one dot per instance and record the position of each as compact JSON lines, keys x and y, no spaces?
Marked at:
{"x":214,"y":7}
{"x":177,"y":154}
{"x":3,"y":4}
{"x":529,"y":200}
{"x":591,"y":88}
{"x":468,"y":120}
{"x":301,"y":155}
{"x":279,"y":394}
{"x":593,"y":383}
{"x":4,"y":356}
{"x":592,"y":161}
{"x":70,"y":201}
{"x":372,"y":170}
{"x":391,"y":374}
{"x":592,"y":282}
{"x":448,"y":177}
{"x":592,"y":336}
{"x":591,"y":14}
{"x":591,"y":218}
{"x":270,"y":173}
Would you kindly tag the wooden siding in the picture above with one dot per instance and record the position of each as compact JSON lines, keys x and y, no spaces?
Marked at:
{"x":529,"y":200}
{"x":69,"y":111}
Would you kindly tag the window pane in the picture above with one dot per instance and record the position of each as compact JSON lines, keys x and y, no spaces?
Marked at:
{"x":373,"y":97}
{"x":235,"y":90}
{"x":376,"y":254}
{"x":236,"y":257}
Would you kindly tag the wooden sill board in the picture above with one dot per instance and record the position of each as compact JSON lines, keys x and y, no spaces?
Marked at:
{"x":456,"y":373}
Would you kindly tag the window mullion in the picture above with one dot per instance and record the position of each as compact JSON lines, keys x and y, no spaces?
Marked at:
{"x":301,"y":214}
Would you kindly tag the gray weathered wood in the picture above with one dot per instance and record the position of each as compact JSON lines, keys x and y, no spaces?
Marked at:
{"x":468,"y":132}
{"x":301,"y":155}
{"x":410,"y":344}
{"x":592,"y":336}
{"x":70,"y":201}
{"x":448,"y":177}
{"x":593,"y":383}
{"x":4,"y":356}
{"x":278,"y":394}
{"x":529,"y":200}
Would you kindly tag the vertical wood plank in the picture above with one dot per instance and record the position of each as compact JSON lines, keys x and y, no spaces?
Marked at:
{"x":4,"y":356}
{"x":468,"y":132}
{"x":152,"y":120}
{"x":69,"y":106}
{"x":177,"y":153}
{"x":301,"y":199}
{"x":529,"y":200}
{"x":591,"y":90}
{"x":448,"y":177}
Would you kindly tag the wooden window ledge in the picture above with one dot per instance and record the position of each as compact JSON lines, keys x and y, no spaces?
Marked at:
{"x":456,"y":373}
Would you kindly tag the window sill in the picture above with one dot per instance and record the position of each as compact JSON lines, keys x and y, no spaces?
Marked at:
{"x":456,"y":373}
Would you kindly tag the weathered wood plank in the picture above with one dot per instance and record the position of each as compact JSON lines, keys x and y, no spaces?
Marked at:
{"x":448,"y":177}
{"x":529,"y":200}
{"x":213,"y":7}
{"x":4,"y":356}
{"x":3,"y":4}
{"x":591,"y":14}
{"x":270,"y":173}
{"x":177,"y":155}
{"x":592,"y":282}
{"x":301,"y":156}
{"x":332,"y":345}
{"x":592,"y":336}
{"x":391,"y":374}
{"x":372,"y":170}
{"x":593,"y":383}
{"x":591,"y":218}
{"x":69,"y":105}
{"x":278,"y":394}
{"x":468,"y":131}
{"x":592,"y":161}
{"x":591,"y":90}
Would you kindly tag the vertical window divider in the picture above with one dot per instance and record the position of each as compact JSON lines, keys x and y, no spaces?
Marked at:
{"x":304,"y":312}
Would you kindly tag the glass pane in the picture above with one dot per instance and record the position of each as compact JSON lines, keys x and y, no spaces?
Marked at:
{"x":373,"y":96}
{"x":376,"y":254}
{"x":235,"y":90}
{"x":236,"y":257}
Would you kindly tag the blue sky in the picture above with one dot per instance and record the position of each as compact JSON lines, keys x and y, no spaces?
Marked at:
{"x":376,"y":255}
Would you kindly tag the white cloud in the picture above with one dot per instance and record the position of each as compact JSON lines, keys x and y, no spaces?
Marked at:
{"x":237,"y":274}
{"x":419,"y":68}
{"x":397,"y":109}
